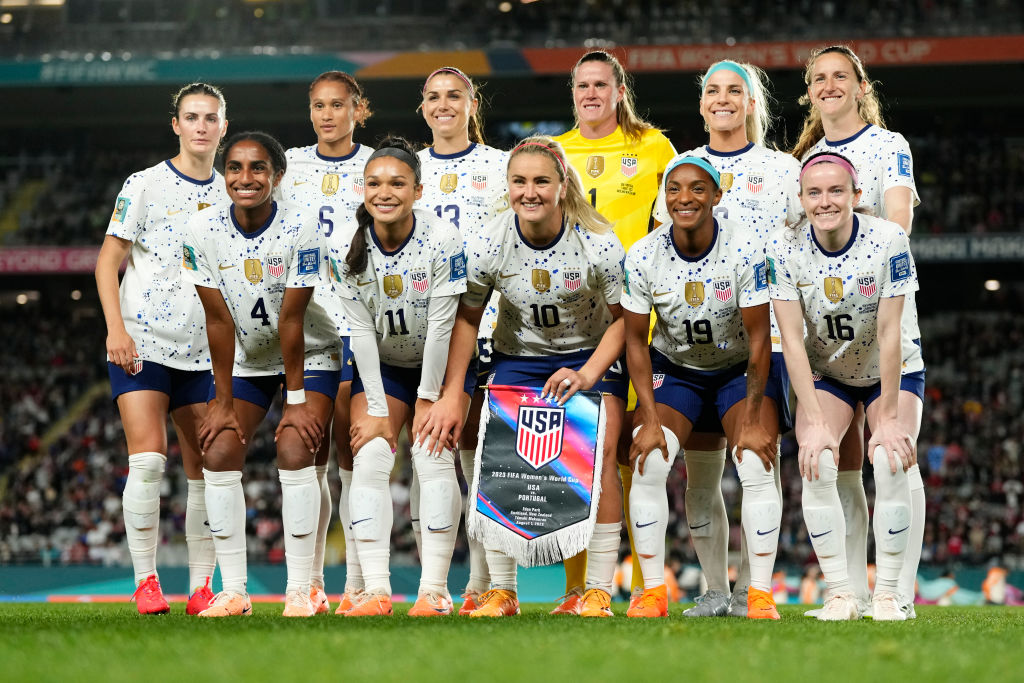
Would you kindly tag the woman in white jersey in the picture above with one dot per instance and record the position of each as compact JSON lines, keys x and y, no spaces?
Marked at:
{"x":463,"y":182}
{"x":845,"y":276}
{"x":255,"y":263}
{"x":402,"y":276}
{"x":844,"y":116}
{"x":326,"y":179}
{"x":759,"y":193}
{"x":706,"y":280}
{"x":158,"y":358}
{"x":563,"y":336}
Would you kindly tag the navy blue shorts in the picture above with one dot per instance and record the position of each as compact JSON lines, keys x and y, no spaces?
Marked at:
{"x":402,"y":383}
{"x":912,"y":382}
{"x":704,"y":397}
{"x":534,"y":371}
{"x":347,"y":362}
{"x":261,"y":389}
{"x":183,"y":387}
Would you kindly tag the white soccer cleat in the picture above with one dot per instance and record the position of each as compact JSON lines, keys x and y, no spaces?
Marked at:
{"x":711,"y":604}
{"x":738,"y":603}
{"x":298,"y":604}
{"x":840,"y":607}
{"x":886,"y":606}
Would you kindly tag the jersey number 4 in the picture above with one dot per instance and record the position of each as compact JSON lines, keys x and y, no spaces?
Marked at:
{"x":259,"y":312}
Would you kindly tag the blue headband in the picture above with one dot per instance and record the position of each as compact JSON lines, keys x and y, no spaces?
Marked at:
{"x":728,"y":66}
{"x":699,"y":163}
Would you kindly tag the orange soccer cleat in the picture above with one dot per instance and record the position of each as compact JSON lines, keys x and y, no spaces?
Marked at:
{"x":200,"y":599}
{"x":471,"y":600}
{"x":761,"y":605}
{"x":149,"y":597}
{"x":228,"y":604}
{"x":653,"y":603}
{"x":497,"y":603}
{"x":571,"y":603}
{"x":317,"y":596}
{"x":432,"y":604}
{"x":596,"y":603}
{"x":371,"y":605}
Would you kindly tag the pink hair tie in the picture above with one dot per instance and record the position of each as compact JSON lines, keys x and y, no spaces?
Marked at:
{"x":455,"y":72}
{"x":832,"y":159}
{"x":561,"y":163}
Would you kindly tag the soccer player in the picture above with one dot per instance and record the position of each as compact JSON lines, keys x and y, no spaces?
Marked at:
{"x":706,"y":280}
{"x":557,"y":266}
{"x":255,"y":263}
{"x":402,"y":276}
{"x":327,"y":180}
{"x":759,"y":194}
{"x":620,"y":158}
{"x":844,"y":116}
{"x":845,"y":277}
{"x":157,"y":355}
{"x":463,"y":182}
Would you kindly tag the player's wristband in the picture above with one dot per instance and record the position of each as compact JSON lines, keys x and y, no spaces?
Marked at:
{"x":295,"y":396}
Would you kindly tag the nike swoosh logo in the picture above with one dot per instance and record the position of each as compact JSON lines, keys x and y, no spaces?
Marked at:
{"x":247,"y":610}
{"x":821,"y":534}
{"x":363,"y":284}
{"x":216,"y":531}
{"x":357,"y":521}
{"x":172,"y":213}
{"x":299,"y":182}
{"x":765,"y":533}
{"x":662,"y":293}
{"x":900,"y":531}
{"x":641,"y":526}
{"x":442,"y":528}
{"x":700,"y":526}
{"x":505,"y":277}
{"x":206,"y":524}
{"x":805,"y":284}
{"x":221,"y":266}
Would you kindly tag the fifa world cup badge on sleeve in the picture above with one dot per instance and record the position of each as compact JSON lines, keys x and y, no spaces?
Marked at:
{"x":458,"y":267}
{"x":120,"y":209}
{"x":309,"y":261}
{"x":538,"y":474}
{"x":899,"y":267}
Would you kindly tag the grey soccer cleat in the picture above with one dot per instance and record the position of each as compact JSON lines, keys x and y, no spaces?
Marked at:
{"x":738,"y":603}
{"x":711,"y":604}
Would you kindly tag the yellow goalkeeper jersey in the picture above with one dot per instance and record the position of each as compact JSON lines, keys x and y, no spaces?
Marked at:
{"x":620,"y":177}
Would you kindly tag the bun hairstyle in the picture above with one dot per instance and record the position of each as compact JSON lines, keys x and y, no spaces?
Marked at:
{"x":633,"y":127}
{"x":354,"y":89}
{"x":391,"y":146}
{"x":575,"y":207}
{"x":198,"y":89}
{"x":476,"y":121}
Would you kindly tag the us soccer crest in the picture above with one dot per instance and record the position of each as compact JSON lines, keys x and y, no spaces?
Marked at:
{"x":659,"y":379}
{"x":253,"y":270}
{"x":419,"y":281}
{"x":834,"y":289}
{"x":755,"y":183}
{"x":866,"y":286}
{"x":694,"y":293}
{"x":449,"y":181}
{"x":330,"y":184}
{"x":275,"y":265}
{"x":595,"y":165}
{"x":572,"y":280}
{"x":479,"y":181}
{"x":726,"y":181}
{"x":723,"y":290}
{"x":539,"y":434}
{"x":393,"y":285}
{"x":358,"y":185}
{"x":629,"y":165}
{"x":541,"y":280}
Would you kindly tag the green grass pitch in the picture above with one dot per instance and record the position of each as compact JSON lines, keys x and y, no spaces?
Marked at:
{"x":110,"y":642}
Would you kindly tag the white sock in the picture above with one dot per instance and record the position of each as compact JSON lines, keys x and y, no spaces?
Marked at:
{"x":372,"y":514}
{"x":414,"y":511}
{"x":141,"y":506}
{"x":202,"y":557}
{"x":761,"y":517}
{"x":892,"y":523}
{"x":225,"y":507}
{"x":648,"y":510}
{"x":743,"y":572}
{"x":316,"y":576}
{"x":300,"y":512}
{"x":440,"y":505}
{"x":826,"y":525}
{"x":706,"y":516}
{"x":908,"y":575}
{"x":353,"y":572}
{"x":479,"y":578}
{"x":850,"y":486}
{"x":603,"y":555}
{"x":503,"y":570}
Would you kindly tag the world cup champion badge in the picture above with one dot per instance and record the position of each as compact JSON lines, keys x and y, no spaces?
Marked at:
{"x":726,"y":181}
{"x":541,"y":280}
{"x":449,"y":181}
{"x":393,"y":285}
{"x":253,"y":270}
{"x":330,"y":184}
{"x":834,"y":289}
{"x":595,"y":165}
{"x":694,"y":293}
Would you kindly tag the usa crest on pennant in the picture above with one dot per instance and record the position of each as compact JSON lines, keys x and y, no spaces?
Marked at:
{"x":539,"y":433}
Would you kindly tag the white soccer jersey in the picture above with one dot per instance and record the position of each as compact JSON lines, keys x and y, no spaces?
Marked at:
{"x":840,"y":291}
{"x":883,"y":161}
{"x":331,"y":188}
{"x":397,"y":286}
{"x":467,"y":188}
{"x":252,"y":271}
{"x":165,"y":319}
{"x":698,"y":300}
{"x":554,"y":298}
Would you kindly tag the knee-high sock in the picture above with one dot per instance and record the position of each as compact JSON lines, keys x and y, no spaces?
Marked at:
{"x":141,"y":505}
{"x":300,"y":514}
{"x":706,"y":516}
{"x":202,"y":557}
{"x":636,"y":577}
{"x":823,"y":514}
{"x":908,"y":575}
{"x":743,"y":572}
{"x":479,"y":578}
{"x":761,"y":517}
{"x":353,"y":572}
{"x":323,"y":525}
{"x":372,"y":514}
{"x":855,"y":512}
{"x":440,"y":504}
{"x":648,"y":510}
{"x":414,"y":510}
{"x":602,"y":555}
{"x":502,"y":569}
{"x":225,"y":507}
{"x":892,"y":523}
